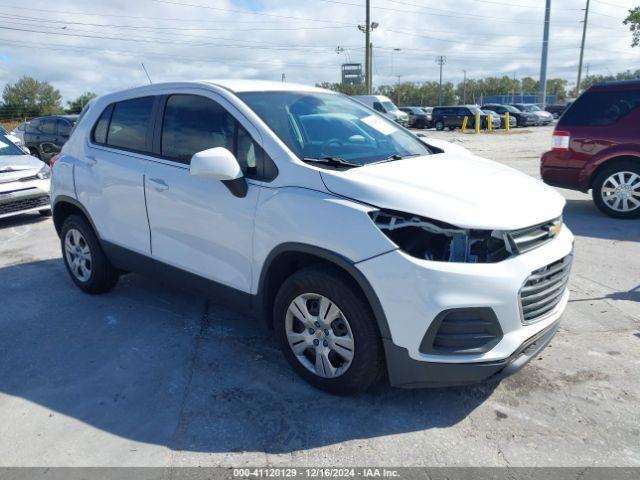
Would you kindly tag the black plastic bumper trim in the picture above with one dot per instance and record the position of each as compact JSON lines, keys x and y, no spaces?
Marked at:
{"x":406,"y":372}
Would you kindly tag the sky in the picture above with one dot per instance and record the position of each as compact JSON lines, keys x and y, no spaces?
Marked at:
{"x":100,"y":45}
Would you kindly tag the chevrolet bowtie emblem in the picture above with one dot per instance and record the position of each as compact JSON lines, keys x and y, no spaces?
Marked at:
{"x":555,"y":228}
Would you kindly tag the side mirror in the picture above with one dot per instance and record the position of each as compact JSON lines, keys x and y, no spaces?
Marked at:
{"x":220,"y":164}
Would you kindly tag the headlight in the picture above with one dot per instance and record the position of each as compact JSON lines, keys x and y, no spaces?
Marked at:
{"x":438,"y":241}
{"x":44,"y":173}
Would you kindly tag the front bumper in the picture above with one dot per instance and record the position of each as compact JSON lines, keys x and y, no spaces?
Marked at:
{"x":21,"y":197}
{"x":414,"y":292}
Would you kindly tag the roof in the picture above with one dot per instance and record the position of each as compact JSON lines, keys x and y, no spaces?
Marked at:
{"x":238,"y":86}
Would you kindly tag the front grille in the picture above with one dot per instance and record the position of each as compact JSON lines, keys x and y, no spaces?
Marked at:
{"x":21,"y":204}
{"x":543,"y":290}
{"x":526,"y":239}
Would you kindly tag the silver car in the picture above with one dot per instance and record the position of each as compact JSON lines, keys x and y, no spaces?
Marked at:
{"x":24,"y":182}
{"x":495,"y":118}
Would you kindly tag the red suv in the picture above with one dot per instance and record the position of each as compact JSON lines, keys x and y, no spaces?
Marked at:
{"x":596,"y":145}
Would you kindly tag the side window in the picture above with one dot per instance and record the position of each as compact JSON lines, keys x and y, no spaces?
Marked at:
{"x":192,"y":124}
{"x":48,"y":126}
{"x":601,"y":108}
{"x":377,"y":106}
{"x":130,"y":124}
{"x":99,"y":134}
{"x":33,"y":126}
{"x":64,"y":127}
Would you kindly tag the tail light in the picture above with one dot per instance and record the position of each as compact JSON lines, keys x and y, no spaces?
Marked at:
{"x":53,"y":160}
{"x":560,"y":141}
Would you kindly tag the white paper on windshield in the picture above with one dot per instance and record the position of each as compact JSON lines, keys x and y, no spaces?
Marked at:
{"x":2,"y":145}
{"x":379,"y":124}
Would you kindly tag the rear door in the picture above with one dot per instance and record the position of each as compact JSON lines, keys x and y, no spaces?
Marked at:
{"x":110,"y":179}
{"x":197,"y":224}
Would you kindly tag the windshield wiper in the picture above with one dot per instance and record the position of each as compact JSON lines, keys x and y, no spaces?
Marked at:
{"x":332,"y":161}
{"x":396,"y":156}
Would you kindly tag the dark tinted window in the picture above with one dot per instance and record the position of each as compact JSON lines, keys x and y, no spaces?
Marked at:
{"x":193,"y":123}
{"x":601,"y":108}
{"x":130,"y":124}
{"x":99,"y":134}
{"x":377,"y":106}
{"x":33,"y":126}
{"x":48,"y":126}
{"x":64,"y":127}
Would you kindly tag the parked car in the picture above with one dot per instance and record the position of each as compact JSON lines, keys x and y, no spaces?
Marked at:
{"x":418,"y":118}
{"x":366,"y":250}
{"x":45,"y":136}
{"x":24,"y":182}
{"x":513,"y":121}
{"x":429,"y":112}
{"x":453,"y":116}
{"x":557,"y":109}
{"x":523,"y":119}
{"x":542,"y":117}
{"x":19,"y":131}
{"x":385,"y":106}
{"x":596,"y":147}
{"x":496,"y":121}
{"x":12,"y":138}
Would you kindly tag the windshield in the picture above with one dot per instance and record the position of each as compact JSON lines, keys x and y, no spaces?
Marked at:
{"x":475,"y":110}
{"x":389,"y":106}
{"x":319,"y":125}
{"x":512,"y":109}
{"x":532,"y":108}
{"x":8,"y":148}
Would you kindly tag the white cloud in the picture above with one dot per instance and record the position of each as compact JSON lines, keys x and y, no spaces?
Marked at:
{"x":103,"y":51}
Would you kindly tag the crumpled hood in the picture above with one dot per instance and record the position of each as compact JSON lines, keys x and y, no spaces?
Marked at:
{"x":463,"y":190}
{"x":14,"y":167}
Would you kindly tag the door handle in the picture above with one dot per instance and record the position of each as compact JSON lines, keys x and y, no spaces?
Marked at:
{"x":159,"y":185}
{"x":90,"y":160}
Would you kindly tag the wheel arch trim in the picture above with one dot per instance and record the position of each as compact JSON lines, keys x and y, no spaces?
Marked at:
{"x":62,"y":199}
{"x":340,"y":261}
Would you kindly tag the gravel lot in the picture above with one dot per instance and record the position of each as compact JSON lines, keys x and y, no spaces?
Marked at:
{"x":151,"y":376}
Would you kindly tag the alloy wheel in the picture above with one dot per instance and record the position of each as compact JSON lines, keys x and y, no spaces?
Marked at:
{"x":319,"y":335}
{"x":621,"y":191}
{"x":78,"y":254}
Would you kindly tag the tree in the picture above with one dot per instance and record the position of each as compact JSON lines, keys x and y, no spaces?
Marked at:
{"x":30,"y":97}
{"x":633,"y":20}
{"x":344,"y":88}
{"x":76,"y":106}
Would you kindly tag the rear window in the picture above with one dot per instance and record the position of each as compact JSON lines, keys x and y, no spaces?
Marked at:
{"x":601,"y":107}
{"x":130,"y":124}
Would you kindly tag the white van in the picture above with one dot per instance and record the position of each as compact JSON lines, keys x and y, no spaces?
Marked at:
{"x":385,"y":106}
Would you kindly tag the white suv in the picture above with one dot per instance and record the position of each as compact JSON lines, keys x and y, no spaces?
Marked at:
{"x":363,"y":247}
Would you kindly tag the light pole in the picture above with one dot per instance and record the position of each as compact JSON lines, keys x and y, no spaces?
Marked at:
{"x":464,"y":88}
{"x":543,"y":60}
{"x":584,"y":36}
{"x":440,"y":60}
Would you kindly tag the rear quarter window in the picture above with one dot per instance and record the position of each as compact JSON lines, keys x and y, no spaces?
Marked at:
{"x":130,"y":124}
{"x":598,"y":108}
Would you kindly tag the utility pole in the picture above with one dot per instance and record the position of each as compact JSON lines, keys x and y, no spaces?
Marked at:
{"x":440,"y":60}
{"x":513,"y":91}
{"x":284,"y":78}
{"x":545,"y":50}
{"x":464,"y":88}
{"x":368,"y":47}
{"x":584,"y":36}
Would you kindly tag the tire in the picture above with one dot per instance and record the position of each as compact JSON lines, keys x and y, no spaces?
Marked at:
{"x":354,"y":321}
{"x":439,"y":125}
{"x":45,"y":213}
{"x":451,"y":129}
{"x":94,"y":274}
{"x":606,"y":195}
{"x":420,"y":124}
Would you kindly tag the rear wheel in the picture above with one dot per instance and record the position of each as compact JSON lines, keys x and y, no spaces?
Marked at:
{"x":616,"y":190}
{"x":86,"y":263}
{"x":439,"y":125}
{"x":420,"y":124}
{"x":327,"y":332}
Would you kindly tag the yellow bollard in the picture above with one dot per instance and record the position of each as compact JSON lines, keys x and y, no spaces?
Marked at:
{"x":477,"y":123}
{"x":465,"y":120}
{"x":489,"y":123}
{"x":507,"y":127}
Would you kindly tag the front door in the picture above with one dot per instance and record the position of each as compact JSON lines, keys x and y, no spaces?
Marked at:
{"x":196,"y":223}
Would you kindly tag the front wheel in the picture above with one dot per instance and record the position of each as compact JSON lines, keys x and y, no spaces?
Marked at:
{"x":616,"y":190}
{"x":86,"y":263}
{"x":439,"y":125}
{"x":327,"y":332}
